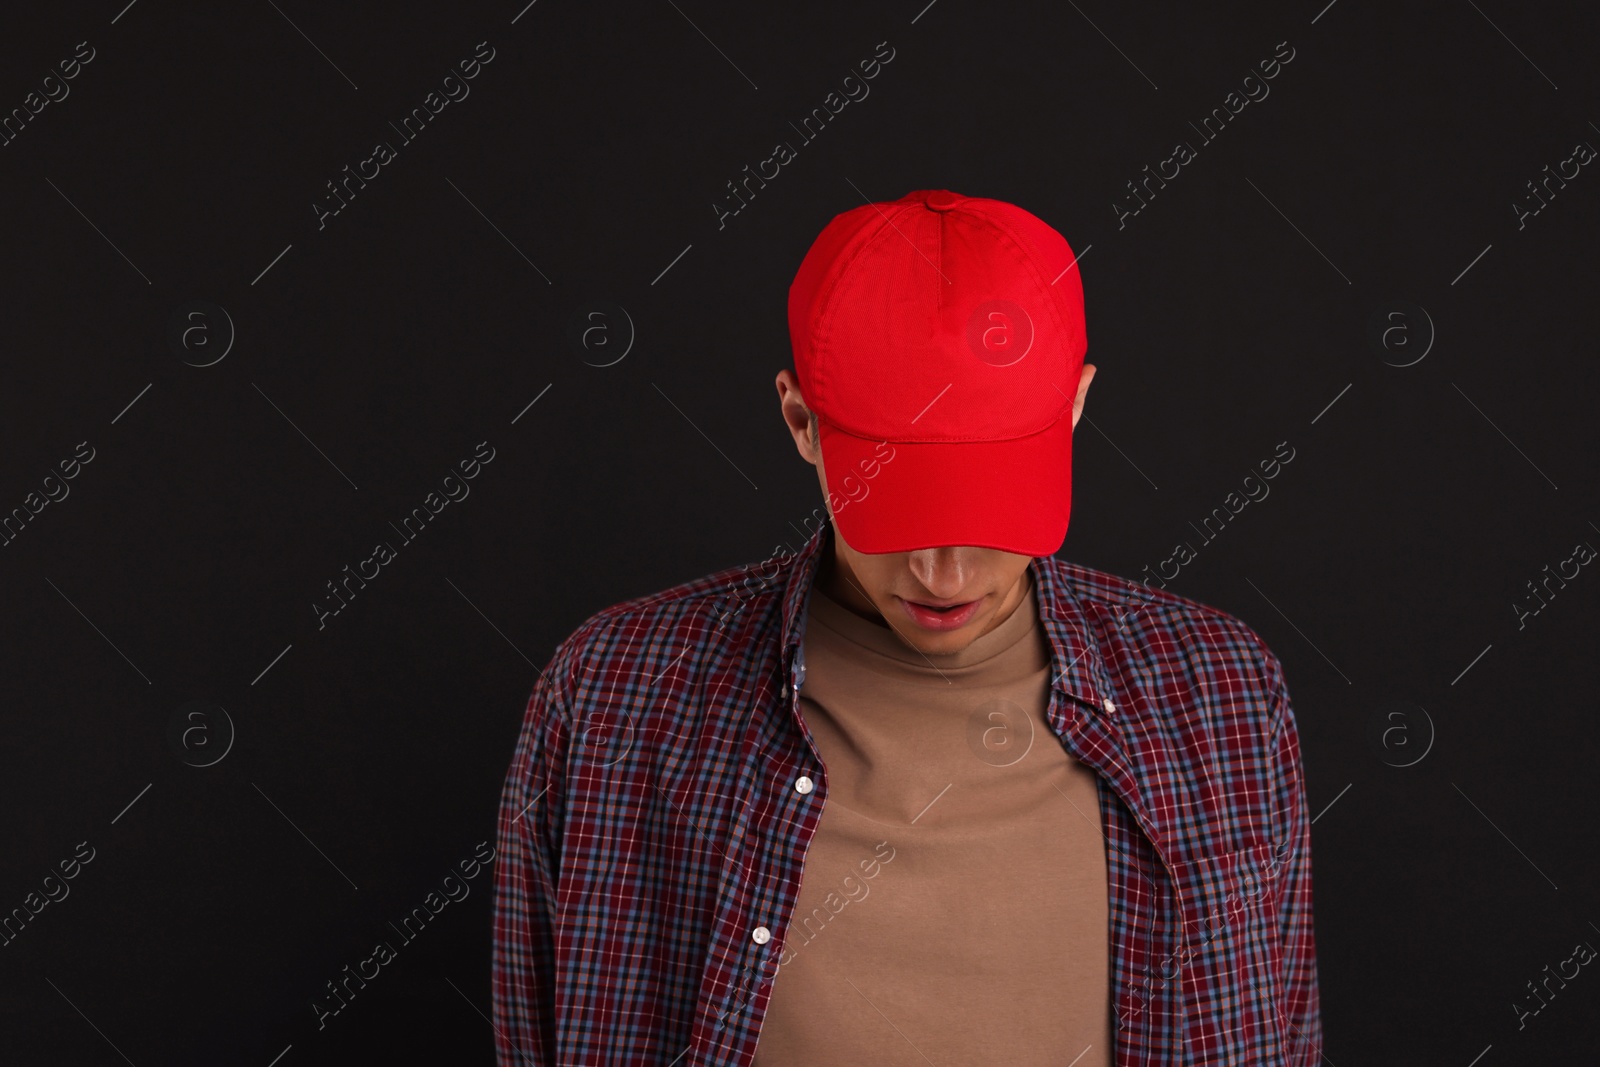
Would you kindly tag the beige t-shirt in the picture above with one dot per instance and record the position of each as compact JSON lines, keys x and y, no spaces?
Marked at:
{"x":953,"y":906}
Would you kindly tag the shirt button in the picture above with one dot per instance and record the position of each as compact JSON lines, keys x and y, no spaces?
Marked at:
{"x":803,"y":785}
{"x":1110,"y":707}
{"x":761,"y":935}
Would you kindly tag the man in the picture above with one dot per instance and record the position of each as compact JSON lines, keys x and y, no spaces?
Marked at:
{"x":915,"y":792}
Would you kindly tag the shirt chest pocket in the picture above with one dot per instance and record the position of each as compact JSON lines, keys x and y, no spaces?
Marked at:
{"x":1232,"y":954}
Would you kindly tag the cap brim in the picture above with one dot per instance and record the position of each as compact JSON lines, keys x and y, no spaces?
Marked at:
{"x":1013,"y":495}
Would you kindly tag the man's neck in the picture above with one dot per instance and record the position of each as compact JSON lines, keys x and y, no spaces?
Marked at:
{"x":835,"y":579}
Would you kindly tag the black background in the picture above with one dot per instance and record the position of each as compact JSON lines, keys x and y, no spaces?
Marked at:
{"x":1231,"y":314}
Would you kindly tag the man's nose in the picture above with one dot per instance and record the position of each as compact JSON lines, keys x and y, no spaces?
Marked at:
{"x":943,"y":571}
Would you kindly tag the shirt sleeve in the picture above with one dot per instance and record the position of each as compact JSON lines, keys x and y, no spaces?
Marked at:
{"x":1300,"y":1003}
{"x":525,"y":877}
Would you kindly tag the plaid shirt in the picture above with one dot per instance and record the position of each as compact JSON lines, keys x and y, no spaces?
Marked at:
{"x":652,"y":839}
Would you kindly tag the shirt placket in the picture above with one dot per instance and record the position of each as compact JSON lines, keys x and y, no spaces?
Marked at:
{"x":765,"y":907}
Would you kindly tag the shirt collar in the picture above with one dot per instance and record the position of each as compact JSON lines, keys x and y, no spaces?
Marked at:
{"x":1077,"y":668}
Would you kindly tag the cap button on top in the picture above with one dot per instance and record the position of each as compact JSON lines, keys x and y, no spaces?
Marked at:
{"x":943,"y":200}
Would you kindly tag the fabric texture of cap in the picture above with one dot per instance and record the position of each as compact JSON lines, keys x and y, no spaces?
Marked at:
{"x":939,"y":339}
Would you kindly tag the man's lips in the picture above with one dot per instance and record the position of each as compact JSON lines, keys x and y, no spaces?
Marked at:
{"x":941,"y":615}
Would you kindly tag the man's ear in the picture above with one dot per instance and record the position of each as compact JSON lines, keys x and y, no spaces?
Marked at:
{"x":1084,"y":379}
{"x":797,"y":417}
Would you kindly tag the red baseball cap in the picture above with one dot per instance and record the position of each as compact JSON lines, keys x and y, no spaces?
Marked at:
{"x":939,"y":339}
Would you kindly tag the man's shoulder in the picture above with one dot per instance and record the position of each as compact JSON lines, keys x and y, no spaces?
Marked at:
{"x":1120,"y":608}
{"x":724,"y":606}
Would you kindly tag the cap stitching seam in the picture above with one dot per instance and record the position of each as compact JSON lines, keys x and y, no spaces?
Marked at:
{"x":824,"y":300}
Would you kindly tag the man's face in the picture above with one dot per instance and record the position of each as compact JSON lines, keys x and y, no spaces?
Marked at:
{"x":978,"y":587}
